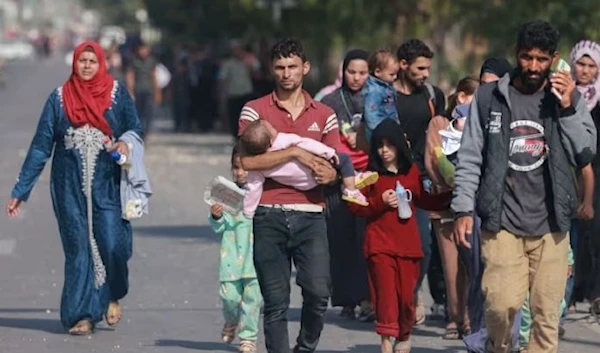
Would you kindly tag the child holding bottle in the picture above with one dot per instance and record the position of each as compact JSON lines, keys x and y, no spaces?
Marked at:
{"x":392,"y":244}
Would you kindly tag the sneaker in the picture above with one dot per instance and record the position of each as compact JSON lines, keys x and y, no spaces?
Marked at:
{"x":362,"y":180}
{"x":354,"y":196}
{"x":228,"y":333}
{"x":247,"y":347}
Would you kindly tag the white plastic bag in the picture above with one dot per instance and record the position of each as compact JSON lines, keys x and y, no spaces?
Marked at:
{"x":226,"y":192}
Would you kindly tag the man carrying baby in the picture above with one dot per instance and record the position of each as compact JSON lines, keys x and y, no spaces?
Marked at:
{"x":260,"y":137}
{"x":289,"y":223}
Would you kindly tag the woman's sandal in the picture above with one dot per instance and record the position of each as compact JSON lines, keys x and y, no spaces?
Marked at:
{"x":402,"y":347}
{"x":82,"y":328}
{"x":113,"y":314}
{"x":451,"y":333}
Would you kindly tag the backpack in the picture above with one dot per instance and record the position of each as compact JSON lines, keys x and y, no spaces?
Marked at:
{"x":431,"y":100}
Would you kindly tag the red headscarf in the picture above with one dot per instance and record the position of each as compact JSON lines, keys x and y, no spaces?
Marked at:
{"x":86,"y":101}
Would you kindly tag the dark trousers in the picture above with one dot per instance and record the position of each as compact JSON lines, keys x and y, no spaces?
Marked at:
{"x":144,"y":103}
{"x":279,"y":238}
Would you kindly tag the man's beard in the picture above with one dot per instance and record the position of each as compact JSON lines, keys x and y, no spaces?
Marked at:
{"x":533,"y":84}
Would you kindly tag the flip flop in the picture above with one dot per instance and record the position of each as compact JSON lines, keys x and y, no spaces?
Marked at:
{"x":114,"y":314}
{"x":82,"y":328}
{"x":451,"y":334}
{"x":402,"y":347}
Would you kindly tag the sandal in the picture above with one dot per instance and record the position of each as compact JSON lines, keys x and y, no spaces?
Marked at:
{"x":82,"y":328}
{"x":451,"y":333}
{"x":247,"y":347}
{"x":228,"y":333}
{"x":363,"y":180}
{"x":402,"y":347}
{"x":114,"y":314}
{"x":420,"y":316}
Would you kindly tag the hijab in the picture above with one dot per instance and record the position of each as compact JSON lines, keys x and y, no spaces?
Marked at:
{"x":497,"y":66}
{"x":590,"y":92}
{"x":393,"y":133}
{"x":348,"y":104}
{"x":86,"y":101}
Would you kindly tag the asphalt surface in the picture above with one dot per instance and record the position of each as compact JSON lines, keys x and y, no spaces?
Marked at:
{"x":173,"y":305}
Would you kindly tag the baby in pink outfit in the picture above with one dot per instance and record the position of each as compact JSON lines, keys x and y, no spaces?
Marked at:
{"x":260,"y":137}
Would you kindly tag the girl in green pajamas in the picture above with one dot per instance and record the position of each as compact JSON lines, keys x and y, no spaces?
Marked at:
{"x":239,"y":288}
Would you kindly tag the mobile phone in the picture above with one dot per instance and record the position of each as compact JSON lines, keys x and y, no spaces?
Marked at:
{"x":561,"y":65}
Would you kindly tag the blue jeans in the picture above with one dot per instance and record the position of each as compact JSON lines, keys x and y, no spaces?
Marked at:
{"x":280,"y":237}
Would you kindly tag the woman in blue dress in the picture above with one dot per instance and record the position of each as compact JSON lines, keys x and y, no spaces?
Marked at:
{"x":85,"y":187}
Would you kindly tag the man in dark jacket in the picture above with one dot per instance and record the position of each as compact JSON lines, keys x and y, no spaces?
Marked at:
{"x":519,"y":150}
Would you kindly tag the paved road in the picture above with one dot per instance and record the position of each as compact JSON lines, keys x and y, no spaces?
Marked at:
{"x":173,"y":305}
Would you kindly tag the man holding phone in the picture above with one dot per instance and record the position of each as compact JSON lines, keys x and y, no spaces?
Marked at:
{"x":519,"y":148}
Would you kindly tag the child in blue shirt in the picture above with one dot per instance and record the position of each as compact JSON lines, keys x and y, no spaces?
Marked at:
{"x":379,"y":92}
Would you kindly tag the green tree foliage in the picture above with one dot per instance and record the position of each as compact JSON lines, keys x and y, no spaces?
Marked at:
{"x":330,"y":26}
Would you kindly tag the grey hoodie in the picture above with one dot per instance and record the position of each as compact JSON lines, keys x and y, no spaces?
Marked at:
{"x":577,"y":134}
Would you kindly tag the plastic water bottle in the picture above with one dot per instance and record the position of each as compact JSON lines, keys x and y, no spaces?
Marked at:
{"x":404,"y":199}
{"x":119,"y":158}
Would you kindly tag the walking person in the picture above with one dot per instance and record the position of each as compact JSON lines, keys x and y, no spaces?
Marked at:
{"x":527,"y":197}
{"x":143,"y":86}
{"x":392,"y":243}
{"x":346,"y":231}
{"x":585,"y":60}
{"x":417,"y":102}
{"x":239,"y":289}
{"x":289,"y":224}
{"x":443,"y":142}
{"x":77,"y":118}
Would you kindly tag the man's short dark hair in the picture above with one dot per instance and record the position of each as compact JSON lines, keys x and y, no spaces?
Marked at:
{"x":538,"y":34}
{"x":286,"y":48}
{"x":413,"y":49}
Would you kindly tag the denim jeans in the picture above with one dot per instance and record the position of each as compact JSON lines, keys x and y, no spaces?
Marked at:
{"x":279,"y":238}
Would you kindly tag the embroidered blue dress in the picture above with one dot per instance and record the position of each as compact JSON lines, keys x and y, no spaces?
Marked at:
{"x":85,"y":194}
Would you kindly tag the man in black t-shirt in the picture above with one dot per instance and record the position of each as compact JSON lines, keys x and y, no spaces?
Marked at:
{"x":418,"y":101}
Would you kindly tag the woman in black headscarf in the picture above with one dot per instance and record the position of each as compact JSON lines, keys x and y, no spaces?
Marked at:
{"x":493,"y":69}
{"x":345,"y":231}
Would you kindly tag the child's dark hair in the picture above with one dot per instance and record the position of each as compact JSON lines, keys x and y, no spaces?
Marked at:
{"x":538,"y":34}
{"x":380,"y":59}
{"x":413,"y":49}
{"x":286,"y":48}
{"x":468,"y":86}
{"x":235,"y":153}
{"x":254,"y":140}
